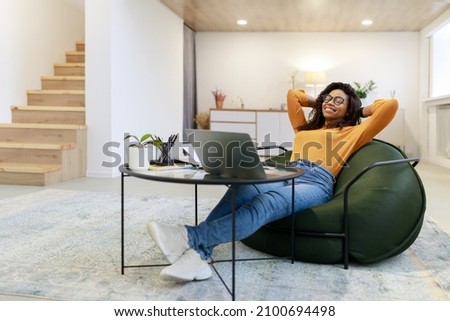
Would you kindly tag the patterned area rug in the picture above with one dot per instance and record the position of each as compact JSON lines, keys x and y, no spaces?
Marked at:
{"x":61,"y":244}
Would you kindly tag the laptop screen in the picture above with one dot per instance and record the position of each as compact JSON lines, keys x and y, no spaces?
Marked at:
{"x":226,"y":153}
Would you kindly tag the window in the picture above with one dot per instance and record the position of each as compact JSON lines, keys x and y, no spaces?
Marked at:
{"x":440,"y":84}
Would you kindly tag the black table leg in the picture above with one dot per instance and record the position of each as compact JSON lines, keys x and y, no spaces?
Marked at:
{"x":196,"y":205}
{"x":233,"y":243}
{"x":122,"y":239}
{"x":293,"y":223}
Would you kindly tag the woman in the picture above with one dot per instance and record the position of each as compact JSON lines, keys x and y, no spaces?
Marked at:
{"x":321,"y":147}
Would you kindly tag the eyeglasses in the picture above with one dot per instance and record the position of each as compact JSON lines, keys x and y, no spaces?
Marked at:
{"x":337,"y":101}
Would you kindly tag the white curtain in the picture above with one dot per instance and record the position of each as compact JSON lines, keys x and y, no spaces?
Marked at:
{"x":190,"y":88}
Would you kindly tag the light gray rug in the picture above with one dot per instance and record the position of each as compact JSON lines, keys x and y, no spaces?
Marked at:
{"x":63,"y":244}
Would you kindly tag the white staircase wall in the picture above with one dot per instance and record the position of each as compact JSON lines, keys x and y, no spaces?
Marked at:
{"x":134,"y":76}
{"x":33,"y":36}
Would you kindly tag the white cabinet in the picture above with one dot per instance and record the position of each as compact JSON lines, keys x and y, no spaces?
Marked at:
{"x":274,"y":128}
{"x":230,"y":120}
{"x":266,"y":127}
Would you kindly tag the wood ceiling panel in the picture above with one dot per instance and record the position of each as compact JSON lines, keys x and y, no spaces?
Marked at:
{"x":307,"y":15}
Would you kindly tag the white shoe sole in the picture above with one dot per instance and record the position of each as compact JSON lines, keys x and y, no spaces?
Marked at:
{"x":204,"y":274}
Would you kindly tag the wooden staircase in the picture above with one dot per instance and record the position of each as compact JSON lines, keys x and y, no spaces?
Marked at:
{"x":46,"y":141}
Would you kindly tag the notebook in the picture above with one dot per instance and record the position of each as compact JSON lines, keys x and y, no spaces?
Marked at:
{"x":226,"y":154}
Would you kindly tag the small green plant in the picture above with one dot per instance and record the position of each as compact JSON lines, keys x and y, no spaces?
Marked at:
{"x":146,"y":139}
{"x":362,"y":91}
{"x":164,"y":147}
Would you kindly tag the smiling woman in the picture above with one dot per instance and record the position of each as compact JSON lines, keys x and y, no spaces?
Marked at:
{"x":322,"y":147}
{"x":335,"y":121}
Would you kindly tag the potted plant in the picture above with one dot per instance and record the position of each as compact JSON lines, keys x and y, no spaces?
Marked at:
{"x":138,"y":152}
{"x":363,"y":91}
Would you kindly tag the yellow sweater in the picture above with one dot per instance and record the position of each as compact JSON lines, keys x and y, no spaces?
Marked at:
{"x":331,"y":148}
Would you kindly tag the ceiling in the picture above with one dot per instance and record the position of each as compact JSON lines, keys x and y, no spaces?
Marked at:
{"x":307,"y":15}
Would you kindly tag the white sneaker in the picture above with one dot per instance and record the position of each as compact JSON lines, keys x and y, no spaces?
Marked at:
{"x":188,"y":267}
{"x":171,"y":239}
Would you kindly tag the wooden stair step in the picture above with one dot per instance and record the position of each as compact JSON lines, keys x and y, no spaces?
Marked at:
{"x":75,"y":56}
{"x":30,"y":174}
{"x":49,"y":114}
{"x":29,"y":168}
{"x":56,"y":92}
{"x":56,"y":97}
{"x":42,"y":146}
{"x":63,"y":82}
{"x":80,"y":45}
{"x":64,"y":77}
{"x":69,"y":69}
{"x":36,"y":153}
{"x":42,"y":126}
{"x":50,"y":108}
{"x":44,"y":133}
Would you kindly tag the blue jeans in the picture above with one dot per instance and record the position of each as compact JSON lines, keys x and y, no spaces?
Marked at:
{"x":259,"y":204}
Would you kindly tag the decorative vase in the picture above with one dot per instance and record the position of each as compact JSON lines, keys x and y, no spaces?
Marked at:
{"x":164,"y":158}
{"x":138,"y":158}
{"x":219,"y":104}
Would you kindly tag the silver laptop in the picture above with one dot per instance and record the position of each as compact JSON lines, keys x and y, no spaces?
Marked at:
{"x":226,"y":154}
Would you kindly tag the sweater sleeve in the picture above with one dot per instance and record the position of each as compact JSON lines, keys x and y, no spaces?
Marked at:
{"x":296,"y":99}
{"x":382,"y":112}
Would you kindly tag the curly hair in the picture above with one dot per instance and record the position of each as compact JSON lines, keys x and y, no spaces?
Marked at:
{"x":317,"y":120}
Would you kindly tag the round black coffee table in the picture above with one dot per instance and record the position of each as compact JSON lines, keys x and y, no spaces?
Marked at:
{"x":194,"y":176}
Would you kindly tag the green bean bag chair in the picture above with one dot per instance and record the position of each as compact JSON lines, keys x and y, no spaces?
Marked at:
{"x":386,"y":206}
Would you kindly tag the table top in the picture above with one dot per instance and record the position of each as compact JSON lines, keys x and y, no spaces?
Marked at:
{"x":192,"y":175}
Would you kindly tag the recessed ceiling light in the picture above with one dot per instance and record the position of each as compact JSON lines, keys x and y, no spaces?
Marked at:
{"x":241,"y":22}
{"x":367,"y":22}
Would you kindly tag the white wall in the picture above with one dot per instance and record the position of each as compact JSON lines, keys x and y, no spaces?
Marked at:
{"x":98,"y":83}
{"x":258,"y":66}
{"x":134,"y":76}
{"x":33,"y":36}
